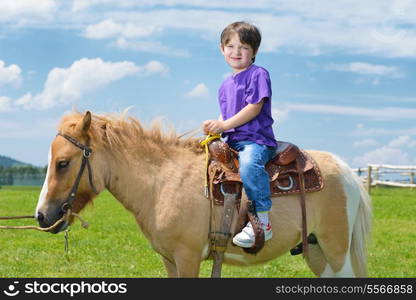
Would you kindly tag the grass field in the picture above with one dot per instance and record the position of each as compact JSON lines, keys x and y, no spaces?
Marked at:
{"x":114,"y":247}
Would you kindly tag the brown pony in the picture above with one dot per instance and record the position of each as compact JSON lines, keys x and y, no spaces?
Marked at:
{"x":159,"y":178}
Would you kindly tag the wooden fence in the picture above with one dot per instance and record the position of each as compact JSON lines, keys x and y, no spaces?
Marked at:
{"x":373,"y":175}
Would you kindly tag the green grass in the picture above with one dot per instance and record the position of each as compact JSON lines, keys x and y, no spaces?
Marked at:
{"x":114,"y":247}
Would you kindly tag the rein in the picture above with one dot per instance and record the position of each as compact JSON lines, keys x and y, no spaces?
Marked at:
{"x":65,"y":217}
{"x":190,"y":132}
{"x":210,"y":137}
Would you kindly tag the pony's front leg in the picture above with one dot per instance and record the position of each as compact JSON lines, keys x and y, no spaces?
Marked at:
{"x":187,"y":262}
{"x":170,"y":268}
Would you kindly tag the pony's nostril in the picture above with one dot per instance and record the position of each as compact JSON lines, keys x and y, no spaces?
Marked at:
{"x":40,"y":217}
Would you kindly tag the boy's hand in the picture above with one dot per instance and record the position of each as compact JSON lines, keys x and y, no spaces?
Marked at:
{"x":213,"y":126}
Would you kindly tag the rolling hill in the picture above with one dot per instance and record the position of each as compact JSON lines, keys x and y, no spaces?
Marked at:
{"x":9,"y":162}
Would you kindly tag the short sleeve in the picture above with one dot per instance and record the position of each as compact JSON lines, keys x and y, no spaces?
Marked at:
{"x":259,"y":87}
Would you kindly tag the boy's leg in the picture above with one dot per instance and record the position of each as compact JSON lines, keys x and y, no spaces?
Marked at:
{"x":253,"y":158}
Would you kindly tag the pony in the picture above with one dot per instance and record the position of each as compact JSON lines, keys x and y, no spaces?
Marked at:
{"x":158,"y":176}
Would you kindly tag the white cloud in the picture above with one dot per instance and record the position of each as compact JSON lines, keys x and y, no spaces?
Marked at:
{"x":29,"y":129}
{"x":384,"y":155}
{"x":199,"y":91}
{"x":241,"y":4}
{"x":67,"y":85}
{"x":394,"y":153}
{"x":10,"y":74}
{"x":361,"y":130}
{"x":154,"y":67}
{"x":356,"y":98}
{"x":79,"y":5}
{"x":373,"y":27}
{"x":5,"y":104}
{"x":148,"y":46}
{"x":306,"y":27}
{"x":64,"y":86}
{"x":129,"y":36}
{"x":399,"y":9}
{"x":24,"y":101}
{"x":105,"y":29}
{"x":23,"y":11}
{"x":400,"y":141}
{"x":365,"y":143}
{"x":110,"y":29}
{"x":377,"y":113}
{"x":366,"y":69}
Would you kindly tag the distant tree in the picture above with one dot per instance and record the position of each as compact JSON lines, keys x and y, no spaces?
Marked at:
{"x":9,"y":179}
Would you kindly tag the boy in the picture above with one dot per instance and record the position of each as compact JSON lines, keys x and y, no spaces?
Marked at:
{"x":246,"y":120}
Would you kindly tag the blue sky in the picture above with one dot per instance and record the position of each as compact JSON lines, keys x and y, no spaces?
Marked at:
{"x":343,"y":72}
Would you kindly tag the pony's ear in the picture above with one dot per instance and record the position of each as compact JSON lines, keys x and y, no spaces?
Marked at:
{"x":84,"y":124}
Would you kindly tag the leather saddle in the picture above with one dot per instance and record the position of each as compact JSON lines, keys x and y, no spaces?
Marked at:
{"x":291,"y":171}
{"x":283,"y":170}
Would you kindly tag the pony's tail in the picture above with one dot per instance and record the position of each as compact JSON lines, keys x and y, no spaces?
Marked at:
{"x":361,"y":232}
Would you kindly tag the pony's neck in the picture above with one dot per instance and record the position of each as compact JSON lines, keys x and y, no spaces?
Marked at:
{"x":132,"y":179}
{"x":141,"y":182}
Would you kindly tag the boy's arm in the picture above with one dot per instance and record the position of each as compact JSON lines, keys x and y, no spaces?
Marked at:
{"x":245,"y":115}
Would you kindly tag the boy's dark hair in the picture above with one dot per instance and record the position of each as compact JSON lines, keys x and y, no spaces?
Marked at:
{"x":248,"y":34}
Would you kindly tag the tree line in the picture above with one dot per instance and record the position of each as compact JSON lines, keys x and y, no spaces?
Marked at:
{"x":8,"y":175}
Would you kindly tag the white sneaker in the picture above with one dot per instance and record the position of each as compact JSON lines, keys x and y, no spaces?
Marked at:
{"x":246,"y":237}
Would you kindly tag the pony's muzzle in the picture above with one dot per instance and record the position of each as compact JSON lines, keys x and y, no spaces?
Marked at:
{"x":40,"y":217}
{"x":46,"y":221}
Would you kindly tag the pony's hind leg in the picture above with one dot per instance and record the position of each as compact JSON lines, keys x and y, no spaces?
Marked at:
{"x":338,"y":265}
{"x":345,"y":271}
{"x":316,"y":259}
{"x":335,"y":218}
{"x":334,"y":247}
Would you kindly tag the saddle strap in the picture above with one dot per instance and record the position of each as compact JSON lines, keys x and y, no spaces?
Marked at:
{"x":303,"y":207}
{"x":220,"y":239}
{"x":258,"y":233}
{"x":242,"y":213}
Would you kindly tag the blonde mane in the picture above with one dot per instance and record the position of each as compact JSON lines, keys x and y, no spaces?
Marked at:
{"x":125,"y":134}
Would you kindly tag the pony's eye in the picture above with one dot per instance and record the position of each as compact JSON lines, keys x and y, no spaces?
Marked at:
{"x":62,"y":164}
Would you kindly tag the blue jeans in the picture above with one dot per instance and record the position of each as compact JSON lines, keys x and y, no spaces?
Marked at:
{"x":252,"y":158}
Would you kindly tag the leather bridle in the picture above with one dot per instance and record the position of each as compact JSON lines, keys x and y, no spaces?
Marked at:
{"x":86,"y":153}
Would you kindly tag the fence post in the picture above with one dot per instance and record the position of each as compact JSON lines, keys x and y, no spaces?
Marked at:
{"x":412,"y":178}
{"x":369,"y":179}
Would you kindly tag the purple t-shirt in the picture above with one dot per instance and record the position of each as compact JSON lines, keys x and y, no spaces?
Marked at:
{"x":248,"y":87}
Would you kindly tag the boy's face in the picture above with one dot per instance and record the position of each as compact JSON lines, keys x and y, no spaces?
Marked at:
{"x":239,"y":56}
